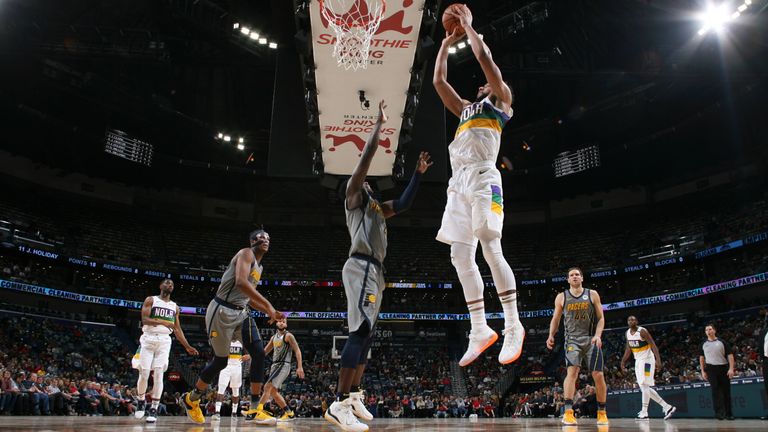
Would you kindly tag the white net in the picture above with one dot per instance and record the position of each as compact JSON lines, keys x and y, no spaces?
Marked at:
{"x":354,"y":22}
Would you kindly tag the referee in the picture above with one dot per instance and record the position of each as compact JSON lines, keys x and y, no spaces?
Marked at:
{"x":717,"y":367}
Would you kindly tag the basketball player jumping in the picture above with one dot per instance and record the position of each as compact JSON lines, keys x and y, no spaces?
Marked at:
{"x":283,"y":345}
{"x":160,"y":318}
{"x":584,"y":323}
{"x":475,"y":209}
{"x":363,"y":276}
{"x":227,"y":317}
{"x":231,"y":376}
{"x":647,"y":359}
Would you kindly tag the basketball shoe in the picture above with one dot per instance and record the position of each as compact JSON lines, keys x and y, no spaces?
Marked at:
{"x":513,"y":343}
{"x":480,"y":339}
{"x":192,"y":408}
{"x":568,"y":418}
{"x":287,"y":416}
{"x":260,"y":416}
{"x":602,"y":417}
{"x":358,"y":407}
{"x":340,"y":414}
{"x":152,"y":416}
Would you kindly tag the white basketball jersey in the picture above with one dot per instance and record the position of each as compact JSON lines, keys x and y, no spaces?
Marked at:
{"x":235,"y":353}
{"x":478,"y":136}
{"x":162,"y":310}
{"x":640,"y":348}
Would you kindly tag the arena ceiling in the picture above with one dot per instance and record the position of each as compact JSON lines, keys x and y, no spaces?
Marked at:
{"x":632,"y":77}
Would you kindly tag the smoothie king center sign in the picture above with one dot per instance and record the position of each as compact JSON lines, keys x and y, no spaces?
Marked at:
{"x":345,"y":123}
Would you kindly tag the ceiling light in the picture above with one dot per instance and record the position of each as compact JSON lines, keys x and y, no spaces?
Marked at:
{"x":273,"y":45}
{"x":236,"y":26}
{"x":254,"y":36}
{"x":220,"y":135}
{"x":245,"y":31}
{"x":263,"y":41}
{"x":451,"y":50}
{"x":227,"y":138}
{"x":241,"y":140}
{"x":240,"y":147}
{"x":461,"y":45}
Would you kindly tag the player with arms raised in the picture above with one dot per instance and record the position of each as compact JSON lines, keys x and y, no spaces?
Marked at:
{"x":475,"y":208}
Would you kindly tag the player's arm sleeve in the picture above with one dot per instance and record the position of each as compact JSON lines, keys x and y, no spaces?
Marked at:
{"x":405,"y":200}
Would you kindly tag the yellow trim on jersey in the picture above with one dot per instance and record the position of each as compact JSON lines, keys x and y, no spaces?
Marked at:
{"x":479,"y":123}
{"x":640,"y":349}
{"x":235,"y":356}
{"x":255,"y":275}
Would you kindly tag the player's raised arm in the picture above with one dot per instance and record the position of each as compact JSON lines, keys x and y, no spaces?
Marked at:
{"x":447,"y":94}
{"x":483,"y":55}
{"x":355,"y":183}
{"x":399,"y":205}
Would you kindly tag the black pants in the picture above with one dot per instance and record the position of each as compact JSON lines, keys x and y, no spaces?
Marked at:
{"x":765,"y":375}
{"x":721,"y":389}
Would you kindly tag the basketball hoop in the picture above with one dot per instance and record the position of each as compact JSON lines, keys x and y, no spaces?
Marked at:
{"x":354,"y":22}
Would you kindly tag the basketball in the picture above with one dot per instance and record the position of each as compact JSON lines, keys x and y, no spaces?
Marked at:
{"x":451,"y":22}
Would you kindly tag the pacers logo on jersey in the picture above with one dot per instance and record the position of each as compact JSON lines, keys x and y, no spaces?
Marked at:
{"x":277,"y":343}
{"x":369,"y":299}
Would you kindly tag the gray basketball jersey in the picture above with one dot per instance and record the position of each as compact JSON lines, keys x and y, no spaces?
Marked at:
{"x":281,"y":351}
{"x":229,"y":292}
{"x":367,"y":229}
{"x":579,"y":313}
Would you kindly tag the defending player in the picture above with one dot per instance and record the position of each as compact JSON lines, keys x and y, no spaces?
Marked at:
{"x":584,"y":323}
{"x":363,"y":276}
{"x":647,"y":359}
{"x":227,"y":315}
{"x":283,"y":346}
{"x":231,"y":376}
{"x":475,"y":208}
{"x":160,"y":318}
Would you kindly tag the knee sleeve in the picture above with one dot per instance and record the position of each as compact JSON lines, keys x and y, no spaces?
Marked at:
{"x":353,"y":349}
{"x":463,"y":257}
{"x":212,"y":369}
{"x":463,"y":260}
{"x":141,"y":386}
{"x":157,"y":387}
{"x":492,"y":251}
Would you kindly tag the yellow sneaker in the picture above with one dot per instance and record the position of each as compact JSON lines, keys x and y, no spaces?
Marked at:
{"x":259,"y":416}
{"x":288,"y":415}
{"x":569,"y":418}
{"x":602,"y":417}
{"x":193,"y":409}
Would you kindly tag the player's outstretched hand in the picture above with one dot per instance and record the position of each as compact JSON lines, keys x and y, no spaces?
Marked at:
{"x":550,"y":342}
{"x":192,"y":351}
{"x":423,"y":164}
{"x":246,"y":357}
{"x":275,"y":315}
{"x":464,"y":16}
{"x":382,"y":113}
{"x":300,"y":373}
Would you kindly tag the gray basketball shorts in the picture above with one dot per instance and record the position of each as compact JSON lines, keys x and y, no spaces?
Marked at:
{"x":581,"y":352}
{"x":364,"y":287}
{"x":278,"y":373}
{"x":223,"y":325}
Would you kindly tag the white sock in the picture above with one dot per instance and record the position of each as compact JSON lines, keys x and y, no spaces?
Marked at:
{"x":463,"y":259}
{"x":155,"y":403}
{"x":141,"y":385}
{"x":503,"y":277}
{"x":218,"y":407}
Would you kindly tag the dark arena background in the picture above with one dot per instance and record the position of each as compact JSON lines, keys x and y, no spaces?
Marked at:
{"x":143,"y":140}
